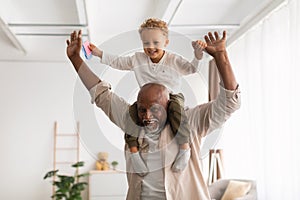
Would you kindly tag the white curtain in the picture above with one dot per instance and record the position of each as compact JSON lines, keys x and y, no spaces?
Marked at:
{"x":262,"y":140}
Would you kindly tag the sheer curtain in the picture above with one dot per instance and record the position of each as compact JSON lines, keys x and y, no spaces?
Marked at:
{"x":262,"y":139}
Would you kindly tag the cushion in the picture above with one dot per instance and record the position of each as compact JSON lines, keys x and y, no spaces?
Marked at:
{"x":236,"y":189}
{"x":217,"y":189}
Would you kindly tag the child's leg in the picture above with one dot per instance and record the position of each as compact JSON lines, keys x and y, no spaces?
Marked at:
{"x":132,"y":143}
{"x":132,"y":129}
{"x":178,"y":120}
{"x":181,"y":130}
{"x":131,"y":137}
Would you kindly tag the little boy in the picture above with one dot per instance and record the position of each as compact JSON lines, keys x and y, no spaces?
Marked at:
{"x":157,"y":65}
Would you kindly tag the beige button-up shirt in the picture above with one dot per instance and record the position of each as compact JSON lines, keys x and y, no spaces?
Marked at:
{"x":189,"y":184}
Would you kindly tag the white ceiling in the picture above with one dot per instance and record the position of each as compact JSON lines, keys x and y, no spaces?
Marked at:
{"x":37,"y":29}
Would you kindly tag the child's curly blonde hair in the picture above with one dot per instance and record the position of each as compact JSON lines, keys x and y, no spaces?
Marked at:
{"x":153,"y":23}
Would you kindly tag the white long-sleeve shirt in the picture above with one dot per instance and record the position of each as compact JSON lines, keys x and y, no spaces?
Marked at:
{"x":203,"y":119}
{"x":168,"y":71}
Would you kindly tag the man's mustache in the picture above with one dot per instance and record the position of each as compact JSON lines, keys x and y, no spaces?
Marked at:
{"x":149,"y":121}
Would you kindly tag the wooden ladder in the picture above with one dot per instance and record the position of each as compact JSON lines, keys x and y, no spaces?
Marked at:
{"x":216,"y":167}
{"x":58,"y":138}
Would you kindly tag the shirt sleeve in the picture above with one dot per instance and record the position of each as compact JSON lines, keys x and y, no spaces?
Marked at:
{"x":112,"y":105}
{"x":118,"y":62}
{"x":184,"y":66}
{"x":212,"y":115}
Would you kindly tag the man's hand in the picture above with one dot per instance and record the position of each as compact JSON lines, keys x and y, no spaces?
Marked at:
{"x":74,"y":45}
{"x":198,"y":48}
{"x":87,"y":76}
{"x":215,"y":44}
{"x":216,"y":47}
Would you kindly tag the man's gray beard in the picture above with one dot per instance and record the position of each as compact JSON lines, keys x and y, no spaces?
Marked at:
{"x":154,"y":135}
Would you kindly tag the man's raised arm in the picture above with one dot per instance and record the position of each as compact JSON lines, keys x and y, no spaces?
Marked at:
{"x":216,"y":47}
{"x":88,"y":78}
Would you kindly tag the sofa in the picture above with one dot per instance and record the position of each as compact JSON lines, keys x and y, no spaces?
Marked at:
{"x":236,"y":189}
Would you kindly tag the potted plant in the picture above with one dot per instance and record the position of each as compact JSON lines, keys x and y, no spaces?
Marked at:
{"x":68,"y":187}
{"x":114,"y":164}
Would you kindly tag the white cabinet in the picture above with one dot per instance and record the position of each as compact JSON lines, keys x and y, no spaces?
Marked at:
{"x":107,"y":185}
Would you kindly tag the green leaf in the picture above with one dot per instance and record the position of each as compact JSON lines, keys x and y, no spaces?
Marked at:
{"x":76,"y":197}
{"x":62,"y":190}
{"x":62,"y":185}
{"x":59,"y":196}
{"x":83,"y":175}
{"x":66,"y":179}
{"x":78,"y":164}
{"x":50,"y":174}
{"x":114,"y":163}
{"x":66,"y":188}
{"x":79,"y":186}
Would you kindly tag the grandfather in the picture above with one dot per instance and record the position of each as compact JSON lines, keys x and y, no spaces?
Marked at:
{"x":158,"y":148}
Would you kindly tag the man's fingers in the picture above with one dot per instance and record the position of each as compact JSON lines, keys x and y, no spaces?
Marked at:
{"x":75,"y":36}
{"x":211,"y":37}
{"x":79,"y":37}
{"x":216,"y":35}
{"x":207,"y":39}
{"x":72,"y":36}
{"x":224,"y":35}
{"x":68,"y":42}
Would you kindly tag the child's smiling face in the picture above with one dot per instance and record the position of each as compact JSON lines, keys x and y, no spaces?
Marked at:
{"x":154,"y":41}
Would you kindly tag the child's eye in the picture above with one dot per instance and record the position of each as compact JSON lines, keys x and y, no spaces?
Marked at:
{"x":156,"y":42}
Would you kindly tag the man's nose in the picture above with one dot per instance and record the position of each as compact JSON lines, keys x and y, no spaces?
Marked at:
{"x":148,"y":114}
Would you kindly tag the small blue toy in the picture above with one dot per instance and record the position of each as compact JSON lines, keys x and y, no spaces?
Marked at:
{"x":87,"y":52}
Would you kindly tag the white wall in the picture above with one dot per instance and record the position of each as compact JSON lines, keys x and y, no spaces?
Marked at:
{"x":33,"y":96}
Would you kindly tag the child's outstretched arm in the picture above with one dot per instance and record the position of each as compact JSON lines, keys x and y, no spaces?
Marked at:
{"x":198,"y":46}
{"x":116,"y":62}
{"x":95,"y":51}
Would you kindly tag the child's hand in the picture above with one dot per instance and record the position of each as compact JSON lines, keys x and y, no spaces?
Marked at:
{"x":199,"y":46}
{"x":95,"y":50}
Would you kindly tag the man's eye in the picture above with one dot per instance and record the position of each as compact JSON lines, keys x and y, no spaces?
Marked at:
{"x":154,"y":110}
{"x":142,"y":110}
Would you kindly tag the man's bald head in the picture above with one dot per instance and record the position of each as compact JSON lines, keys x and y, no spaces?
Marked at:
{"x":152,"y":103}
{"x":154,"y":91}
